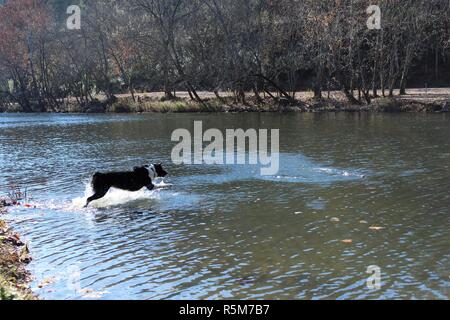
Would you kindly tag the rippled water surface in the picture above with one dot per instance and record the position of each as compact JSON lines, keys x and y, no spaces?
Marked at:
{"x":225,"y":231}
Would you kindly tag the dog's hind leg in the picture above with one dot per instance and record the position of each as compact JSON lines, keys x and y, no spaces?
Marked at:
{"x":98,"y":195}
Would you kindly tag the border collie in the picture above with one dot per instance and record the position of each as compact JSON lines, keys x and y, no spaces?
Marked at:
{"x":133,"y":181}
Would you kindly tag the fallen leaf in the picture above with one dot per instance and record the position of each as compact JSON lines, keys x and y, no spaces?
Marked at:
{"x":347,"y":241}
{"x":374,"y":228}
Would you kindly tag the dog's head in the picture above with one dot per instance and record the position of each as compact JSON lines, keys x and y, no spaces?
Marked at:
{"x":156,"y":171}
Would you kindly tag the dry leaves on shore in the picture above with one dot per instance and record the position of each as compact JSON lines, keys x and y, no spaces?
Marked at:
{"x":3,"y":227}
{"x":24,"y":255}
{"x":13,"y":239}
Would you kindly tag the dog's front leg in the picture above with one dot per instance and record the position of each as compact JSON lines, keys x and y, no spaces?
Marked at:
{"x":150,"y":187}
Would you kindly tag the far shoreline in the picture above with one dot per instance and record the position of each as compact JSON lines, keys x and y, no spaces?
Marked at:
{"x":415,"y":101}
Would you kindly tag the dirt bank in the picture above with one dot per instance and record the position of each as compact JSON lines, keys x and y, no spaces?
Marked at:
{"x":14,"y":257}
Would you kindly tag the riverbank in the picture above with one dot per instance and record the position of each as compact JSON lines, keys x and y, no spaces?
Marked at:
{"x":14,"y":257}
{"x":417,"y":101}
{"x":390,"y":105}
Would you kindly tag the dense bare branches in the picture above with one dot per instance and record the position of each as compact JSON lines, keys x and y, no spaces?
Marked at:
{"x":264,"y":46}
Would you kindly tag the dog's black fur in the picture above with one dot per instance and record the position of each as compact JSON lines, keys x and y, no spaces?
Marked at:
{"x":139,"y":178}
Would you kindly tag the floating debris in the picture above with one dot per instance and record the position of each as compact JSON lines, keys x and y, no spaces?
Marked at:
{"x":347,"y":241}
{"x":335,"y":220}
{"x":14,"y":198}
{"x":16,"y":194}
{"x":91,"y":294}
{"x":374,"y":228}
{"x":363,"y":222}
{"x":46,"y":282}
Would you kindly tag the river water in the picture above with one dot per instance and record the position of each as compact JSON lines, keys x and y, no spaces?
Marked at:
{"x":226,"y":232}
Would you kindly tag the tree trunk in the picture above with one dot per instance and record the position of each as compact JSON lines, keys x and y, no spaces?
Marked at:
{"x":259,"y":100}
{"x":280,"y":90}
{"x":403,"y":89}
{"x":190,"y":93}
{"x":167,"y":90}
{"x":216,"y":93}
{"x":350,"y":97}
{"x":436,"y":63}
{"x":391,"y":92}
{"x":270,"y":94}
{"x":131,"y":89}
{"x":405,"y":70}
{"x":318,"y":83}
{"x":240,"y":96}
{"x":317,"y":92}
{"x":375,"y":68}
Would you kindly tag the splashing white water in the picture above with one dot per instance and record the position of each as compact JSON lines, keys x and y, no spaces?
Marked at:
{"x":116,"y":197}
{"x":343,"y":173}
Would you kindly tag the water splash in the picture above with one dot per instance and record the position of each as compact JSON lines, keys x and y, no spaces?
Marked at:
{"x":116,"y":197}
{"x":294,"y":168}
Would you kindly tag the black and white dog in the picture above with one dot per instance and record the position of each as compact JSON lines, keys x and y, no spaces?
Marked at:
{"x":135,"y":180}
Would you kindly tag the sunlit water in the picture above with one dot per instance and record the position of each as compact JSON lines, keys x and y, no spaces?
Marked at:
{"x":226,"y":231}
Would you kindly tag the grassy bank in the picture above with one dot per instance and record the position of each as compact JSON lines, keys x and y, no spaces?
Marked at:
{"x":226,"y":105}
{"x":418,"y":100}
{"x":14,"y":257}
